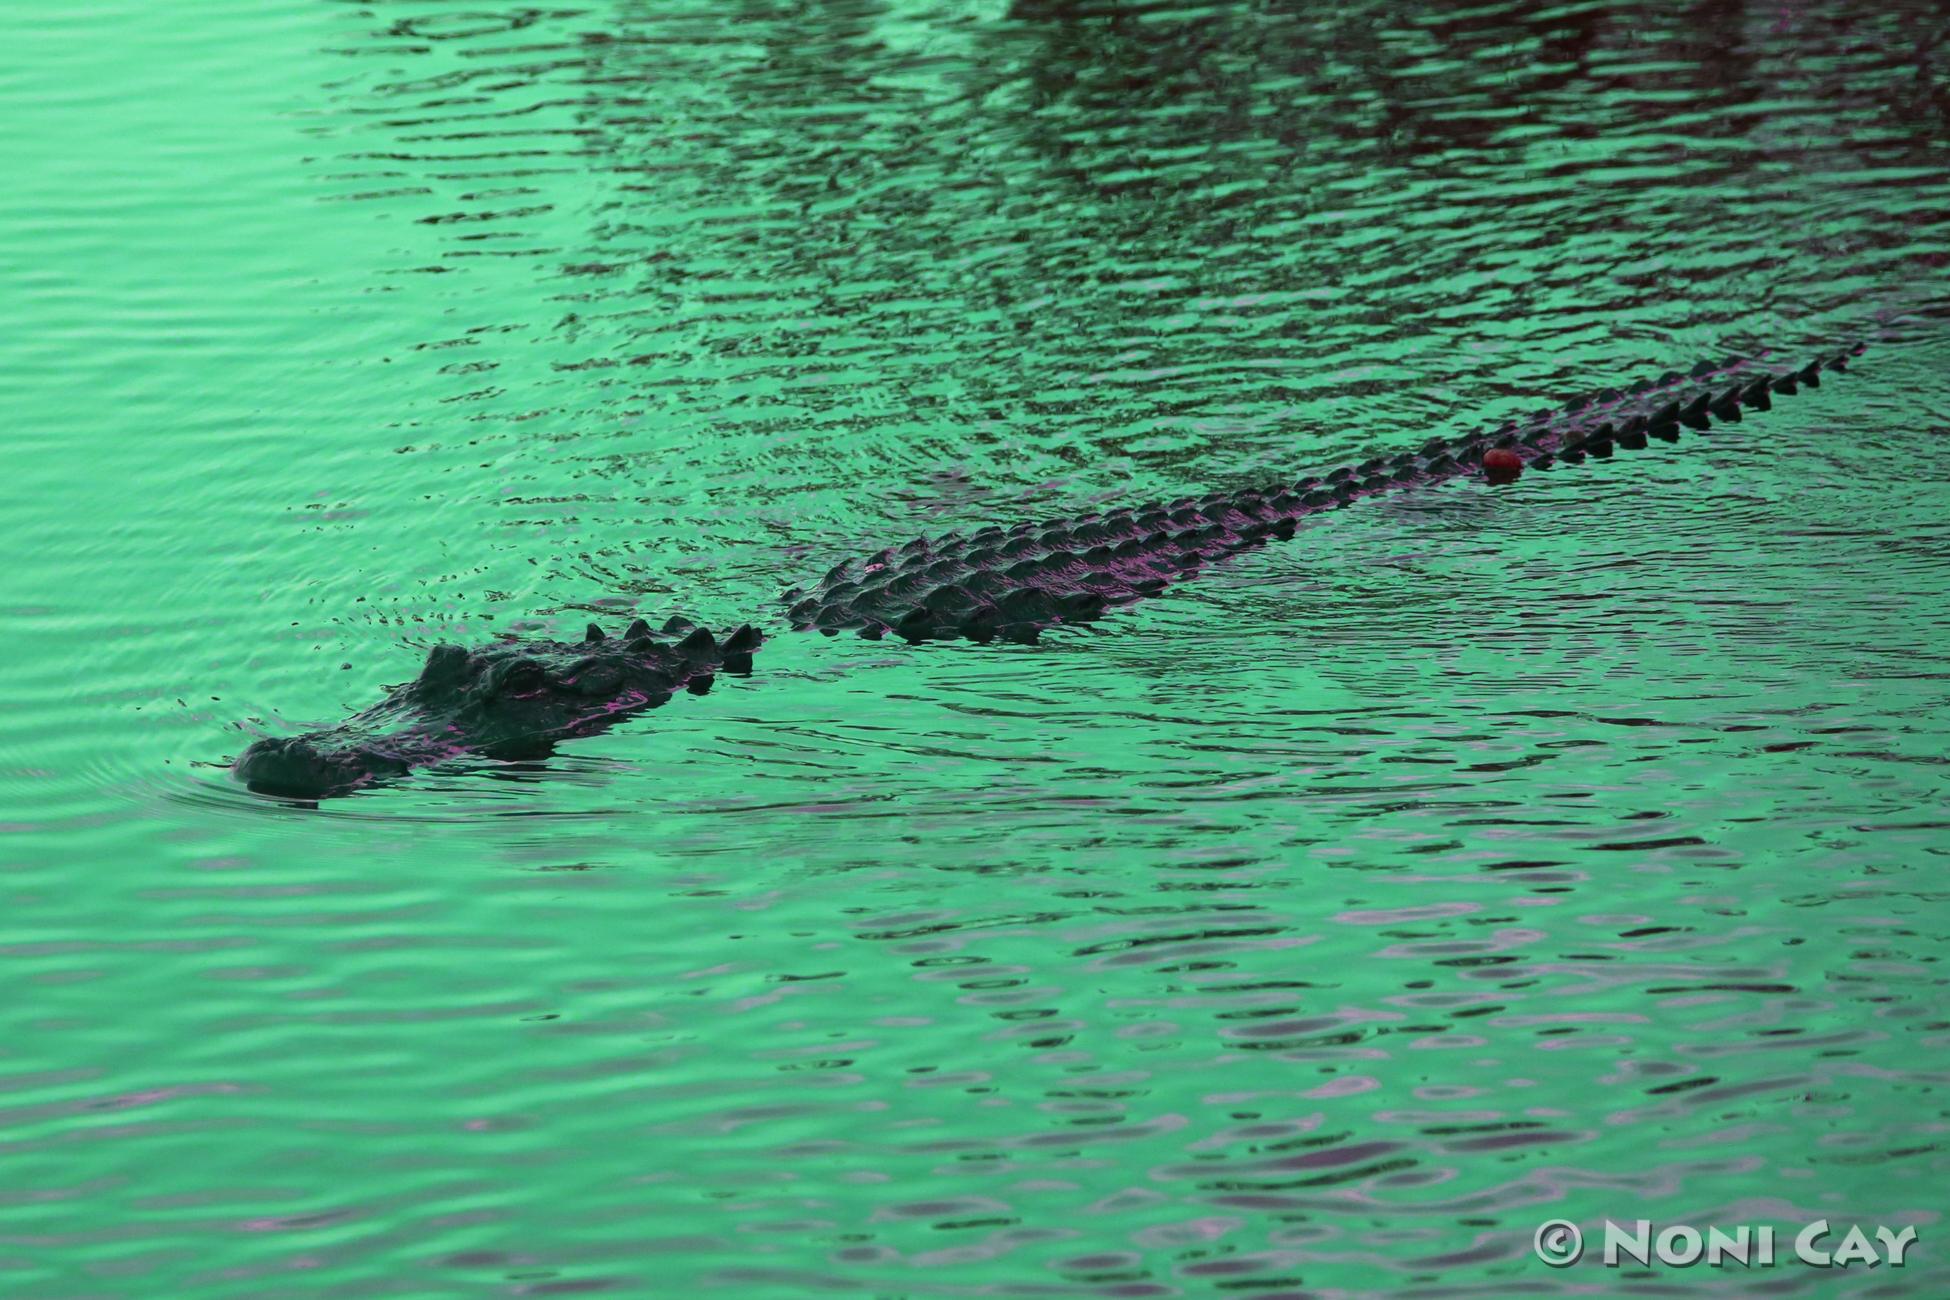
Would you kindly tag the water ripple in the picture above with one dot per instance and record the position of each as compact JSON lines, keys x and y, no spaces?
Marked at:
{"x":1470,"y":860}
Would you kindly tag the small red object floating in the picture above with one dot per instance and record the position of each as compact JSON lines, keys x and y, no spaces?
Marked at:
{"x":1501,"y":465}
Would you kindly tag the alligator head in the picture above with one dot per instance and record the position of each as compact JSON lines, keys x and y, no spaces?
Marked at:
{"x":513,"y":699}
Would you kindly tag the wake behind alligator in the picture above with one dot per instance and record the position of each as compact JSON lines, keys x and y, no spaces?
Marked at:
{"x":518,"y":698}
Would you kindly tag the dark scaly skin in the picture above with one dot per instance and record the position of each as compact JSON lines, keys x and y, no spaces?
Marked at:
{"x":1016,"y":583}
{"x":512,"y":699}
{"x":516,"y":699}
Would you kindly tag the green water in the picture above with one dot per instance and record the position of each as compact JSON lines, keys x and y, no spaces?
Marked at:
{"x":1471,"y":860}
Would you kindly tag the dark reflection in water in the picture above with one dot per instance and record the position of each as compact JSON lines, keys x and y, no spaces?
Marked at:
{"x":896,"y":241}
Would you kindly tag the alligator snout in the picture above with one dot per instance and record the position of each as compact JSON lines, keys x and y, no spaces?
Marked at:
{"x":297,"y":768}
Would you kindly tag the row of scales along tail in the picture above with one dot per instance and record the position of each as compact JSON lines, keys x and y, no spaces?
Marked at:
{"x":1012,"y":584}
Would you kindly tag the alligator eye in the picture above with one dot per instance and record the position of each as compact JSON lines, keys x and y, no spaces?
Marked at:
{"x":522,"y":677}
{"x":596,"y":676}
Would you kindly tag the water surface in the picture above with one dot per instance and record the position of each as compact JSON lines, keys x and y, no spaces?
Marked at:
{"x":1472,"y":859}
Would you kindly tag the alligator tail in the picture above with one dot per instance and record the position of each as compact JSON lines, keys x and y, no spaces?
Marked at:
{"x":1593,"y":427}
{"x":1014,"y":584}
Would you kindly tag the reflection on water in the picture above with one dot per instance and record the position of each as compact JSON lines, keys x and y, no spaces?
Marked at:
{"x":1468,"y":861}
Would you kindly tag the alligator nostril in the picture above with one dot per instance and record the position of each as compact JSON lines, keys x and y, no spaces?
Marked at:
{"x":264,"y":754}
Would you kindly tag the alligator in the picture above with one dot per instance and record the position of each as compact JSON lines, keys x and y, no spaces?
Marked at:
{"x":516,"y":698}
